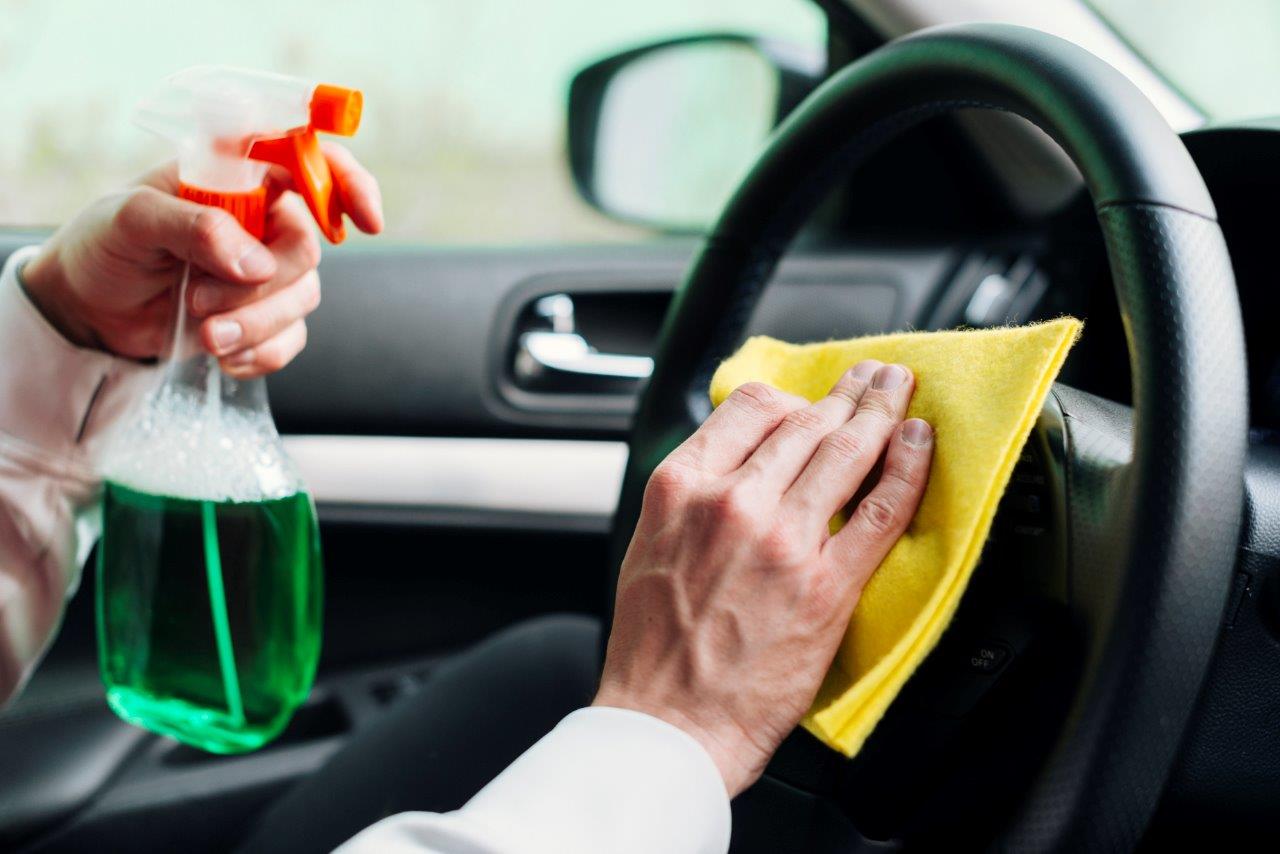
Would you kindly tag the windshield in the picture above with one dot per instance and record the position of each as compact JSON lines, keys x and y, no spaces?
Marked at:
{"x":1223,"y":56}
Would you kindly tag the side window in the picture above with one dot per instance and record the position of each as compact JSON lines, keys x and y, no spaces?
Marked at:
{"x":465,"y":101}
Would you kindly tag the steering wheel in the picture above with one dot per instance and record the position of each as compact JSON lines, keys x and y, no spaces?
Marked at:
{"x":1151,"y":497}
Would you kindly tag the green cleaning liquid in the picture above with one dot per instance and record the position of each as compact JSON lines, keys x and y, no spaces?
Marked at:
{"x":208,"y":614}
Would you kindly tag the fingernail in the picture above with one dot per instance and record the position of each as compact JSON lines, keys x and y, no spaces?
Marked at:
{"x":889,"y":377}
{"x":242,"y":359}
{"x":226,"y":333}
{"x":916,"y":432}
{"x":863,"y":371}
{"x":256,"y":262}
{"x":205,"y":299}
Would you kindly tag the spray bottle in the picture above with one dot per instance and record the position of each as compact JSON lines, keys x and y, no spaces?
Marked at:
{"x":209,"y":570}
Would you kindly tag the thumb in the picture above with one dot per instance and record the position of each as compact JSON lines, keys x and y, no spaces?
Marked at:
{"x":210,"y":238}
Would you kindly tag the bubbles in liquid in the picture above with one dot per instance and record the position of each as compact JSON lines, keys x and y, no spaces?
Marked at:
{"x":182,"y":444}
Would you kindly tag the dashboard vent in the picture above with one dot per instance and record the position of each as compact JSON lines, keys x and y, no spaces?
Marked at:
{"x":991,"y":289}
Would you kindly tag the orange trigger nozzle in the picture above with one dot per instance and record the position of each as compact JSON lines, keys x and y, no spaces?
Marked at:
{"x":300,"y":154}
{"x":333,"y":109}
{"x":336,"y":110}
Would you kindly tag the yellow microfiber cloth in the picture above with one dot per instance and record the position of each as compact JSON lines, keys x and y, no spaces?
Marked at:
{"x":982,"y":391}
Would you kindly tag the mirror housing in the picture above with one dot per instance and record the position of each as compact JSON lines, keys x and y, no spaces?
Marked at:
{"x":661,"y":134}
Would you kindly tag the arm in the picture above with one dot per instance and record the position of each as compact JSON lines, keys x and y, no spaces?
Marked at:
{"x":55,"y":400}
{"x":732,"y":600}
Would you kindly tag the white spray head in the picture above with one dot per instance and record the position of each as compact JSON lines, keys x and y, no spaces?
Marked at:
{"x":214,"y":114}
{"x":229,"y":124}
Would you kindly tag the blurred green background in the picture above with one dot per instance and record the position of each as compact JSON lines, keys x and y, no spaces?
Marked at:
{"x":1223,"y":55}
{"x":464,"y":118}
{"x":464,"y":99}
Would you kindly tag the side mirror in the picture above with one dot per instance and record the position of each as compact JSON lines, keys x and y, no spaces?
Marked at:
{"x":660,"y":135}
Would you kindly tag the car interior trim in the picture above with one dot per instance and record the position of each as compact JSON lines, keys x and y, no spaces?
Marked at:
{"x":542,"y":476}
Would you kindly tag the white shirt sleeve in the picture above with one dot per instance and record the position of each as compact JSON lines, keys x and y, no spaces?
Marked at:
{"x":56,"y":402}
{"x":605,"y":781}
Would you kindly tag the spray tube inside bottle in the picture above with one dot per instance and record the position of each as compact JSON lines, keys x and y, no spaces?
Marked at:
{"x":209,"y":569}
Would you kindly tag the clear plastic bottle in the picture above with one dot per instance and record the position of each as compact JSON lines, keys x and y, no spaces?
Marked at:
{"x":209,"y":569}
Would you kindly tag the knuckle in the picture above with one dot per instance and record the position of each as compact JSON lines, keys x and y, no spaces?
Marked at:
{"x":667,"y":484}
{"x":880,"y":514}
{"x":848,"y":388}
{"x":310,"y":297}
{"x":255,"y":324}
{"x":846,"y":393}
{"x":207,"y":228}
{"x":780,"y":546}
{"x":878,"y":405}
{"x":132,"y":211}
{"x":804,"y":420}
{"x":272,"y":357}
{"x":757,"y":395}
{"x":732,"y":505}
{"x":845,"y":446}
{"x":904,"y":476}
{"x":274,"y":315}
{"x":309,"y":250}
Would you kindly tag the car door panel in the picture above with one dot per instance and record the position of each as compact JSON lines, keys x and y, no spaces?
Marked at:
{"x":417,"y":342}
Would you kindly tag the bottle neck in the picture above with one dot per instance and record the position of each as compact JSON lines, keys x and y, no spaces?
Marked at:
{"x":191,"y":370}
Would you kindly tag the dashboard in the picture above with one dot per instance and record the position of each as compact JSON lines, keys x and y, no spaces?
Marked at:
{"x":1241,"y":165}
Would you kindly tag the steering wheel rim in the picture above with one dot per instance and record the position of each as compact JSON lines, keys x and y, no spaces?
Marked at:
{"x":1154,"y":522}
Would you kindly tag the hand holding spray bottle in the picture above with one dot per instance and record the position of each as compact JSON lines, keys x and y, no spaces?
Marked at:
{"x":209,"y":569}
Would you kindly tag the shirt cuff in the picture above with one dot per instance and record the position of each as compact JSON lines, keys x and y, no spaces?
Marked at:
{"x":56,"y":399}
{"x":609,"y":779}
{"x":603,"y":780}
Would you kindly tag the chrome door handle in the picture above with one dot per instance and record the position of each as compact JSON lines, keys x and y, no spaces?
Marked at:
{"x":559,"y":359}
{"x":542,"y":355}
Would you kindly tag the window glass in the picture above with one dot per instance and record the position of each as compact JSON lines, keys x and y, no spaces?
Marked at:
{"x":464,"y":99}
{"x":1223,"y":55}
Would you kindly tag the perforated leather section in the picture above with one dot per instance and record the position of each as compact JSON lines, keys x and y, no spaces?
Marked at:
{"x":1154,"y":537}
